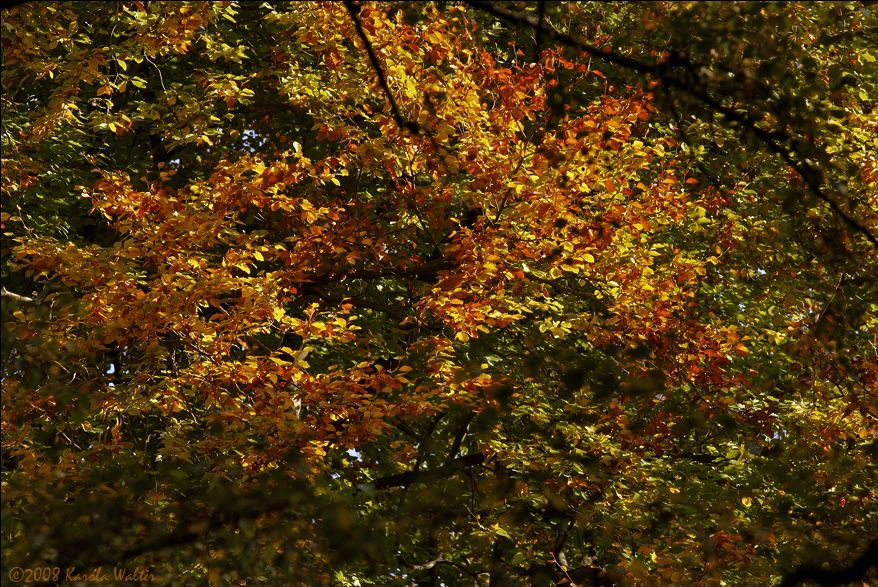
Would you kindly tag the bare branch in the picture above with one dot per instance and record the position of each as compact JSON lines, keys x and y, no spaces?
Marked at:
{"x":429,"y":565}
{"x":15,"y":297}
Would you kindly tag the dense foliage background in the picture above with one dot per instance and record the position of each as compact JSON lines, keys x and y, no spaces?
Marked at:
{"x":440,"y":293}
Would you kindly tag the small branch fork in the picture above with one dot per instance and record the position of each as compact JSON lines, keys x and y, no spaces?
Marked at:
{"x":660,"y":71}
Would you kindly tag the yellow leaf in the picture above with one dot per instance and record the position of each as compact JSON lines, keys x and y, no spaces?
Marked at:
{"x":588,"y":258}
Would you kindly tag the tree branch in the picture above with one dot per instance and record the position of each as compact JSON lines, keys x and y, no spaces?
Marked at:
{"x":660,"y":72}
{"x":461,"y":433}
{"x":406,"y":428}
{"x":402,"y":122}
{"x":15,"y":297}
{"x":429,"y":268}
{"x":538,"y":30}
{"x":429,"y":565}
{"x":410,"y":477}
{"x":360,"y":303}
{"x":601,"y":305}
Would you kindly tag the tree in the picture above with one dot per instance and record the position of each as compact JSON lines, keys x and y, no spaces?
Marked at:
{"x":471,"y":293}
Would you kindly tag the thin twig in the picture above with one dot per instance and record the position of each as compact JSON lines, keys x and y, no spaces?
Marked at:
{"x":832,"y":299}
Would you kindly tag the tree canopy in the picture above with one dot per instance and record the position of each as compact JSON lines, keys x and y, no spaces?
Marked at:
{"x":465,"y":293}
